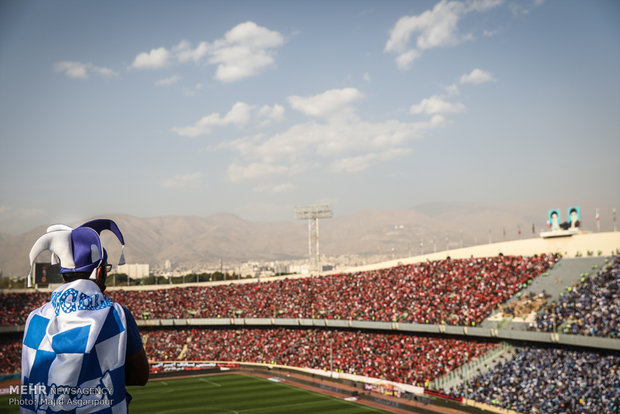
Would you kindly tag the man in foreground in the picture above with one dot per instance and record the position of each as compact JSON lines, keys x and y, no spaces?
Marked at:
{"x":80,"y":349}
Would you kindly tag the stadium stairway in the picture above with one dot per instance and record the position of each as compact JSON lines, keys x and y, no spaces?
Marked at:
{"x":558,"y":279}
{"x":184,"y":350}
{"x":503,"y":352}
{"x":181,"y":355}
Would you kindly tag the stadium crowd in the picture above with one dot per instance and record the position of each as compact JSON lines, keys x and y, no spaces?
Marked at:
{"x":590,"y":308}
{"x":540,"y":380}
{"x":15,"y":307}
{"x":449,"y":291}
{"x":10,"y":353}
{"x":458,"y":292}
{"x":455,"y":292}
{"x":393,"y":357}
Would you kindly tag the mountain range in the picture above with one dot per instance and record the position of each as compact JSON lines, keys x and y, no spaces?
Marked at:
{"x":195,"y":242}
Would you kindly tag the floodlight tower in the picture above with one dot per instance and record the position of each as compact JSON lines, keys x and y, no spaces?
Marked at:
{"x":313,"y":214}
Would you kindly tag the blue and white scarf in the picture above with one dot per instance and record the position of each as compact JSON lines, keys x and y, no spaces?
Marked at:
{"x":73,"y":354}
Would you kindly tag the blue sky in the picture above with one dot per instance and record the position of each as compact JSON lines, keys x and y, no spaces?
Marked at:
{"x":156,"y":108}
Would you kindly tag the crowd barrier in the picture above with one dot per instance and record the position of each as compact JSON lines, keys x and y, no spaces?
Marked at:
{"x":487,"y":407}
{"x":415,"y":328}
{"x":184,"y":366}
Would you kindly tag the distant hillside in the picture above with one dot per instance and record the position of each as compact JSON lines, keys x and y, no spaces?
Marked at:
{"x":195,"y":241}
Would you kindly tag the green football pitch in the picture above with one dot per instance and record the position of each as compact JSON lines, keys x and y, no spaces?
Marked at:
{"x":228,"y":394}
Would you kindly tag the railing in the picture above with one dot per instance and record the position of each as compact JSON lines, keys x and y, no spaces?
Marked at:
{"x":412,"y":328}
{"x":469,"y":370}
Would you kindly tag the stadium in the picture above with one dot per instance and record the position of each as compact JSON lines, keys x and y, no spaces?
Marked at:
{"x":208,"y":138}
{"x":514,"y":327}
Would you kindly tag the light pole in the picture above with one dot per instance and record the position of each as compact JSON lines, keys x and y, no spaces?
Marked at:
{"x":313,"y":214}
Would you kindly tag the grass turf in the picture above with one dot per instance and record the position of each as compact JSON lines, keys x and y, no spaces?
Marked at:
{"x":228,"y":394}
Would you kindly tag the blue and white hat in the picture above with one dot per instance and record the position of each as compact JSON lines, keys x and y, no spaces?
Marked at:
{"x":77,"y":250}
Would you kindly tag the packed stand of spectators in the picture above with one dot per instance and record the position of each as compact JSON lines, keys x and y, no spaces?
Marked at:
{"x":15,"y":307}
{"x":455,"y":292}
{"x":10,"y":353}
{"x":591,"y":307}
{"x":393,"y":357}
{"x":542,"y":380}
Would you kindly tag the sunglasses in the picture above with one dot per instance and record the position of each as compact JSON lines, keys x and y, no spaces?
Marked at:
{"x":108,"y":267}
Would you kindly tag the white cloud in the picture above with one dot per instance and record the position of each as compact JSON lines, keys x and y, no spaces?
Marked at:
{"x":238,"y":115}
{"x":366,"y":77}
{"x":244,"y":51}
{"x":184,"y":181}
{"x":330,"y":141}
{"x":436,"y":105}
{"x":168,"y":81}
{"x":155,"y":59}
{"x":437,"y":120}
{"x":452,"y":89}
{"x":269,"y":114}
{"x":434,"y":28}
{"x":340,"y":144}
{"x":477,"y":77}
{"x":184,"y":52}
{"x":332,"y":103}
{"x":161,"y":57}
{"x":404,"y":59}
{"x":79,"y":70}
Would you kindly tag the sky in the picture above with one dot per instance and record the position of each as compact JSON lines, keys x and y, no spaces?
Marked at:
{"x":154,"y":108}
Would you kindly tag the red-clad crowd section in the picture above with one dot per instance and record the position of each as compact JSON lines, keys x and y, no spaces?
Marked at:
{"x":393,"y":357}
{"x":10,"y":353}
{"x":456,"y":292}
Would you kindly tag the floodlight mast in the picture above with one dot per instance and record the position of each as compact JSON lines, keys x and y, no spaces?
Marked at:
{"x":313,"y":214}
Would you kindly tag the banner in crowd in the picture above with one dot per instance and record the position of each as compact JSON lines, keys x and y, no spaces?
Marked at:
{"x":175,"y":366}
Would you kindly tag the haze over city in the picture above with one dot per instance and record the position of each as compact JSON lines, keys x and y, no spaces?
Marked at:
{"x":191,"y":108}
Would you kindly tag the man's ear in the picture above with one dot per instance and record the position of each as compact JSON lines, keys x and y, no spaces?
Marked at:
{"x":101,"y":276}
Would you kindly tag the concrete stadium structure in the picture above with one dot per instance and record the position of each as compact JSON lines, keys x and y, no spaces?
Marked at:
{"x":569,"y":247}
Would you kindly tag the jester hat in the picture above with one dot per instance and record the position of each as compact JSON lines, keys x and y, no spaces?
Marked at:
{"x":76,"y":250}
